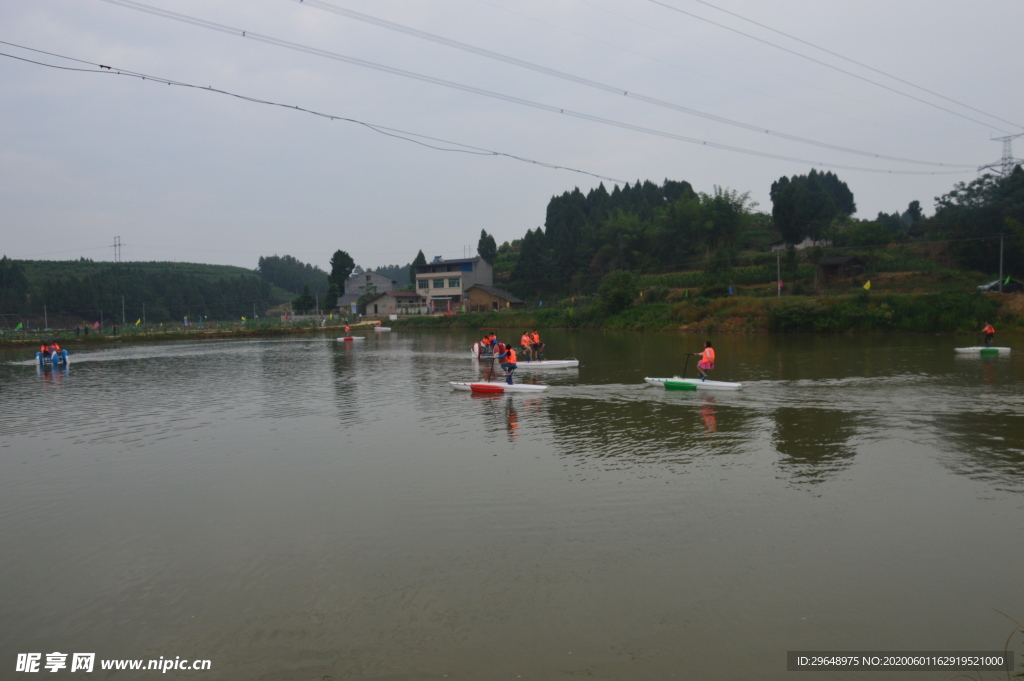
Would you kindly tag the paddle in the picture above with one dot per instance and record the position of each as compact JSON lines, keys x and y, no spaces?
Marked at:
{"x":687,"y":364}
{"x":490,"y":371}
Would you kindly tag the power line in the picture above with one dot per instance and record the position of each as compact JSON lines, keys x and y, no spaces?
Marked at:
{"x":587,"y":82}
{"x":858,"y":63}
{"x":769,"y":95}
{"x":821,"y":63}
{"x":166,"y":14}
{"x":390,"y":132}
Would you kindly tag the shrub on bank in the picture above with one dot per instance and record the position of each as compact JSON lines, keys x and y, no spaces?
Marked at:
{"x":863,"y":312}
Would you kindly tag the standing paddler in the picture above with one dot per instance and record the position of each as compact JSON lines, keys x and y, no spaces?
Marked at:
{"x":989,"y":333}
{"x":707,"y":360}
{"x":509,"y":364}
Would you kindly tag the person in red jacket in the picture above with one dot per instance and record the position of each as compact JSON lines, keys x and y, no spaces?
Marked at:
{"x":508,"y":361}
{"x":707,"y":360}
{"x":989,"y":333}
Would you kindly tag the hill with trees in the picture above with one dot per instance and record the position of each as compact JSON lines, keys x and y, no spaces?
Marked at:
{"x":156,"y":291}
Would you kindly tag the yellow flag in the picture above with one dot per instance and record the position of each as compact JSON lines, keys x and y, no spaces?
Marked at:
{"x":243,"y":319}
{"x":867,"y":286}
{"x":138,"y":321}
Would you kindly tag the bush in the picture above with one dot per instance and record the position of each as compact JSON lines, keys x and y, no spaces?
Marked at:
{"x":618,"y":290}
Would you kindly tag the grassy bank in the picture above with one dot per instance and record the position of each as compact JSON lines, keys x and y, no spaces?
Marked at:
{"x":934,"y":312}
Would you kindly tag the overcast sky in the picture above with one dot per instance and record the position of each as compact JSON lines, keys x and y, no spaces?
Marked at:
{"x":182,"y":174}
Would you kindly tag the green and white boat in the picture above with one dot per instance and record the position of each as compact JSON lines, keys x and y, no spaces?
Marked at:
{"x":677,"y":383}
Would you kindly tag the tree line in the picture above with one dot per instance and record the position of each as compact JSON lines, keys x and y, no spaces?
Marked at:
{"x":647,"y":228}
{"x":158,"y":292}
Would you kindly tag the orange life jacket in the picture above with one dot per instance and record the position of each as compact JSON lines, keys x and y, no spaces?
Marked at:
{"x":486,"y":340}
{"x":988,"y":329}
{"x":42,"y":349}
{"x":708,"y":355}
{"x":526,"y":340}
{"x":56,"y":346}
{"x":535,"y":337}
{"x":511,"y":359}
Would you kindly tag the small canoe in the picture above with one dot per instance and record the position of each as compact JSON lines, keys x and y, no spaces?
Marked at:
{"x":982,"y":350}
{"x":382,"y":328}
{"x":677,"y":383}
{"x":348,"y":339}
{"x":498,"y":387}
{"x":522,"y":364}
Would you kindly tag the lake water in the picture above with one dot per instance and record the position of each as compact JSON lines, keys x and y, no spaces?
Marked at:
{"x":307,"y":509}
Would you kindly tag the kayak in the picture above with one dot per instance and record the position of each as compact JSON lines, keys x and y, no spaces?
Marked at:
{"x":382,"y":328}
{"x":352,"y":338}
{"x":677,"y":383}
{"x":541,"y":364}
{"x":498,"y":387}
{"x":982,"y":350}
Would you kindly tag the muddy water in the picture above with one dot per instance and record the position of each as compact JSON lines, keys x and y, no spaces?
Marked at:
{"x":307,"y":509}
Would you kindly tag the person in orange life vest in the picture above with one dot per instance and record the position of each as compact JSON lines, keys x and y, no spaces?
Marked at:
{"x":538,"y":347}
{"x":485,"y":345}
{"x":989,"y":333}
{"x":707,"y":360}
{"x":509,"y":365}
{"x":526,"y":342}
{"x":348,"y":330}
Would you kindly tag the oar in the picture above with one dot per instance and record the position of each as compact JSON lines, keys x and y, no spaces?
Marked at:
{"x":490,"y":371}
{"x":687,"y":364}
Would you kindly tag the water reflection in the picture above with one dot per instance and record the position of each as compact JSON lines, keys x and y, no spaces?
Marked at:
{"x":814,"y":443}
{"x":986,"y":446}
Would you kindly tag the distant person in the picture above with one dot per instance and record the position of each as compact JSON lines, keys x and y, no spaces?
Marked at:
{"x":348,"y":329}
{"x":537,"y":345}
{"x":115,"y":329}
{"x":527,"y":345}
{"x":86,"y":329}
{"x":509,"y":365}
{"x":989,"y":334}
{"x":78,"y":331}
{"x":707,"y":360}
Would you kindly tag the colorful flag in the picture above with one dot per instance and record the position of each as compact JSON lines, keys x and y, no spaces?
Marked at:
{"x":243,"y":319}
{"x":867,"y":286}
{"x":1006,"y":282}
{"x":18,"y":326}
{"x":780,"y":283}
{"x":95,"y":325}
{"x":138,"y":321}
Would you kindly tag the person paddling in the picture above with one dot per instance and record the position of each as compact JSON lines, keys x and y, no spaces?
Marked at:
{"x":509,"y":365}
{"x":989,"y":333}
{"x":707,"y":360}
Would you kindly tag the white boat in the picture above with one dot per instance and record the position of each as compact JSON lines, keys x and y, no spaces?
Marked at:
{"x":982,"y":350}
{"x":382,"y":328}
{"x":522,"y":364}
{"x":568,"y":363}
{"x":497,"y":387}
{"x":352,"y":338}
{"x":677,"y":383}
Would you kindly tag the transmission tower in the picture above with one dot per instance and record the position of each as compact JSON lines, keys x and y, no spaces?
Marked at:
{"x":1005,"y":165}
{"x":117,"y":249}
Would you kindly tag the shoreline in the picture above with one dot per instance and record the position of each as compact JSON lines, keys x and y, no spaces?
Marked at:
{"x":958,"y":314}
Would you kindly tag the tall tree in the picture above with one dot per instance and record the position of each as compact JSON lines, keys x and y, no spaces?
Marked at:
{"x":305,"y":302}
{"x":342,"y":265}
{"x":487,"y":248}
{"x":420,"y":259}
{"x":805,"y":205}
